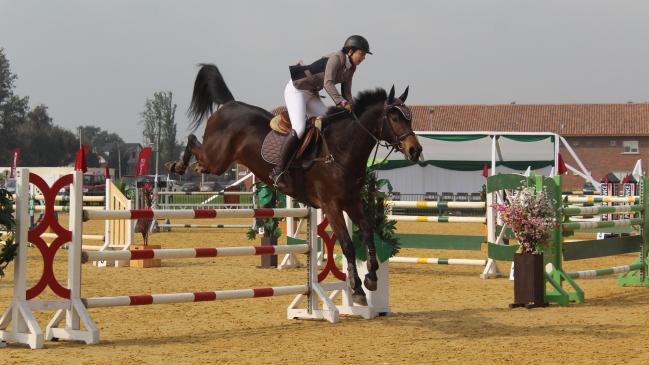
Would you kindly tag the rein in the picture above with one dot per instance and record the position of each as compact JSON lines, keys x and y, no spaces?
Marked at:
{"x":398,"y":145}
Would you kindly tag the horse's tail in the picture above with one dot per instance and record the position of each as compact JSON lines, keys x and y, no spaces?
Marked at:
{"x":209,"y":89}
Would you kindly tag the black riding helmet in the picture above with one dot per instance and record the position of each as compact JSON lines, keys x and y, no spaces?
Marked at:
{"x":359,"y":42}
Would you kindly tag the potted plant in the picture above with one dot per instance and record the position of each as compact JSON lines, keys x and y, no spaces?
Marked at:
{"x":144,"y":226}
{"x":530,"y":215}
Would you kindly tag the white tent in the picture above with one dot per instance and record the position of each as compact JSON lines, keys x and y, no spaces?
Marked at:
{"x":454,"y":161}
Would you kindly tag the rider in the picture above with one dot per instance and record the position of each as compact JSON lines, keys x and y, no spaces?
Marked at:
{"x":302,"y":98}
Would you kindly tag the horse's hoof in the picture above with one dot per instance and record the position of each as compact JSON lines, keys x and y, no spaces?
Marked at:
{"x":174,"y":167}
{"x":359,"y":299}
{"x":171,"y":166}
{"x":370,"y":284}
{"x":198,"y":168}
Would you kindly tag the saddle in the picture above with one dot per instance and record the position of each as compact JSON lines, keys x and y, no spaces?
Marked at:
{"x":310,"y":146}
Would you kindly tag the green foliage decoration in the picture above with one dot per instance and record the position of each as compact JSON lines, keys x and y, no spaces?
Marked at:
{"x":10,"y":248}
{"x":386,"y":243}
{"x":267,"y":197}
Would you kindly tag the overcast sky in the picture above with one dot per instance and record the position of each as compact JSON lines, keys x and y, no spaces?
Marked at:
{"x":96,"y":62}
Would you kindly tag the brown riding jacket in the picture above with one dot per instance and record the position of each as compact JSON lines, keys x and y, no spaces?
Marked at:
{"x":325,"y":73}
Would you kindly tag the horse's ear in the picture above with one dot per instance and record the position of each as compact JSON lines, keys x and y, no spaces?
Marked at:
{"x":391,"y":96}
{"x":404,"y":95}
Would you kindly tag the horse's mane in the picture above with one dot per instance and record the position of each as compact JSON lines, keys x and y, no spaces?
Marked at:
{"x":363,"y":101}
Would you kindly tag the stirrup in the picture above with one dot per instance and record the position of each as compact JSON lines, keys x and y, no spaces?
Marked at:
{"x":276,"y":178}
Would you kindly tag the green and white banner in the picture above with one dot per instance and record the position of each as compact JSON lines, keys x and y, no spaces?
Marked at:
{"x":453,"y":161}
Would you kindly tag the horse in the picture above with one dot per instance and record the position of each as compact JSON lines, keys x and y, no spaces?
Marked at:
{"x":235,"y":132}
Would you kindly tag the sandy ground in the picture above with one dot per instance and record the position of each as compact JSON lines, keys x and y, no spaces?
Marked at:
{"x":441,"y":314}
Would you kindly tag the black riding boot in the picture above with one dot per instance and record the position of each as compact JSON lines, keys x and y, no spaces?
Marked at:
{"x":289,"y":146}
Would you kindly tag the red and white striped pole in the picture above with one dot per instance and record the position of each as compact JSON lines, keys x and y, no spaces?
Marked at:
{"x":149,"y":299}
{"x":193,"y":213}
{"x":190,"y":253}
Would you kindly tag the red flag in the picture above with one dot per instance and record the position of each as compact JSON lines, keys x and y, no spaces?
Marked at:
{"x":14,"y":162}
{"x":143,"y":162}
{"x":626,"y":179}
{"x":606,"y":179}
{"x":562,"y":166}
{"x":485,"y":170}
{"x":80,"y":162}
{"x":107,"y":173}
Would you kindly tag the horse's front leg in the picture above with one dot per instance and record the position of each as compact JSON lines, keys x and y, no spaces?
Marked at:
{"x":355,"y":211}
{"x":337,"y":222}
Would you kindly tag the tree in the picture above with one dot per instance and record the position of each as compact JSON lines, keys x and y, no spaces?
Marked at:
{"x":93,"y":138}
{"x":118,"y":151}
{"x":43,"y":143}
{"x":158,"y":119}
{"x":13,"y":111}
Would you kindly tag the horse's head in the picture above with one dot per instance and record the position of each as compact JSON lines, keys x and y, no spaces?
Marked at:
{"x":399,"y":133}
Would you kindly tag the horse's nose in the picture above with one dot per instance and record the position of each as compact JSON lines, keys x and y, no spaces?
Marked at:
{"x":414,"y":153}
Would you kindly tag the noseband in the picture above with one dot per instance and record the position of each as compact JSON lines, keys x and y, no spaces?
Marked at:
{"x":407,"y":115}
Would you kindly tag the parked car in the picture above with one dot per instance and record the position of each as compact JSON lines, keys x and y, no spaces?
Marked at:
{"x":10,"y":186}
{"x":190,"y":187}
{"x":171,"y":185}
{"x":94,"y":183}
{"x":162,"y":180}
{"x":211,"y":186}
{"x":127,"y":179}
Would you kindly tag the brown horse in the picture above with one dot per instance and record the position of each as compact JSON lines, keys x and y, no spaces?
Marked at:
{"x":236,"y":131}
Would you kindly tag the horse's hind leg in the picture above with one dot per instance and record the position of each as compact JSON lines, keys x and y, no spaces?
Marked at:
{"x":355,"y":211}
{"x":179,"y":167}
{"x":337,"y":222}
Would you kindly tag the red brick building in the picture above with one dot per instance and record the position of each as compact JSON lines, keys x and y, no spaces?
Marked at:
{"x":605,"y":137}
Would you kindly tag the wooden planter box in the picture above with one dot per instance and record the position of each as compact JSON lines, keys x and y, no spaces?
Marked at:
{"x":529,"y":284}
{"x":147,"y":262}
{"x":268,"y":261}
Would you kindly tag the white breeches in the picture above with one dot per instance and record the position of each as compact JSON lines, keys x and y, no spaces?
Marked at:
{"x":300,"y":105}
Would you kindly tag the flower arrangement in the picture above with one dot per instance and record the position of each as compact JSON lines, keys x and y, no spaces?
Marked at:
{"x":530,"y":215}
{"x":144,"y":225}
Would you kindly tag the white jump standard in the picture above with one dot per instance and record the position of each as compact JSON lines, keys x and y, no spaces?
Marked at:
{"x":72,"y":308}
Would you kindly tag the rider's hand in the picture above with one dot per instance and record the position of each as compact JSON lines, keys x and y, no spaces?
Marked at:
{"x":348,"y":105}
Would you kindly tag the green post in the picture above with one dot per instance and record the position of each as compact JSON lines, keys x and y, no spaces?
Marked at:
{"x":640,"y":276}
{"x":556,"y":278}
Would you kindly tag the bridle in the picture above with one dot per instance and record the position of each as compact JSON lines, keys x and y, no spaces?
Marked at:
{"x":407,"y":115}
{"x":398,"y":144}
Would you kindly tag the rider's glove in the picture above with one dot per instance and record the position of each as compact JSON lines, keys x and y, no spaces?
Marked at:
{"x":347,"y":105}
